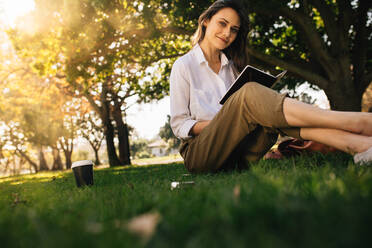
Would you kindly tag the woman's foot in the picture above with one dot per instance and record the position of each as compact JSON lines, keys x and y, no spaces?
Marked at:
{"x":363,"y":157}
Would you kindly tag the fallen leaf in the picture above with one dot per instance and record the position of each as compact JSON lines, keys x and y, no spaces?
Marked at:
{"x":17,"y":200}
{"x":94,"y":227}
{"x":144,"y":225}
{"x":236,"y":192}
{"x":131,"y":186}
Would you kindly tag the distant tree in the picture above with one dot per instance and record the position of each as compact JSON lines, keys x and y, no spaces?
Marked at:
{"x":37,"y":116}
{"x":107,"y":60}
{"x":139,"y":148}
{"x":91,"y":129}
{"x":166,"y":134}
{"x":18,"y":146}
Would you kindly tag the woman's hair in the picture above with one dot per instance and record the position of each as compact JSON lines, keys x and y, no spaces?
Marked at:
{"x":236,"y":50}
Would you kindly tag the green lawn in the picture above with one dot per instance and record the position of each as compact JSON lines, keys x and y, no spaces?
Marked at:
{"x":314,"y":201}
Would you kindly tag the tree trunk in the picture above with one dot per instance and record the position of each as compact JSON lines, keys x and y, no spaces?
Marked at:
{"x":111,"y":151}
{"x":68,"y":161}
{"x":343,"y":98}
{"x":6,"y":168}
{"x":28,"y":159}
{"x":122,"y":130}
{"x":57,"y":161}
{"x":109,"y":131}
{"x":104,"y":112}
{"x":97,"y":162}
{"x":67,"y":148}
{"x":14,"y":167}
{"x":42,"y":162}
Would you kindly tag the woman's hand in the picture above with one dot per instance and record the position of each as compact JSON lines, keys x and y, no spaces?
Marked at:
{"x":198,"y":127}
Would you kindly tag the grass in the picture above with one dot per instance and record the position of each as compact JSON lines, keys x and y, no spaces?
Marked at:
{"x":156,"y":160}
{"x":314,"y":201}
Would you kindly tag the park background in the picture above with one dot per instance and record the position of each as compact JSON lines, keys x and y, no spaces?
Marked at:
{"x":100,"y":69}
{"x":88,"y":79}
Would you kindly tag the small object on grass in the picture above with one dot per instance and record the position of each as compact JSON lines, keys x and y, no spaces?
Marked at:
{"x":83,"y":171}
{"x":236,"y":192}
{"x":144,"y":225}
{"x":17,"y":200}
{"x":130,"y":185}
{"x":174,"y":185}
{"x":363,"y":158}
{"x":179,"y":185}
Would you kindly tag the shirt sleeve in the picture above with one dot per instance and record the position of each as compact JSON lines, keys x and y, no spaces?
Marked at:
{"x":181,"y":121}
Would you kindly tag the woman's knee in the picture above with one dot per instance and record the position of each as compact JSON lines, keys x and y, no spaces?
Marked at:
{"x":256,"y":92}
{"x":250,"y":88}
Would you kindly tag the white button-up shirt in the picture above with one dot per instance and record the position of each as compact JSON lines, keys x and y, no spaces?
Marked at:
{"x":195,"y":90}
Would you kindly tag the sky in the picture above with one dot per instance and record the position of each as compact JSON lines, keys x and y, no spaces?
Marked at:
{"x":145,"y":118}
{"x":11,"y":9}
{"x":148,"y":118}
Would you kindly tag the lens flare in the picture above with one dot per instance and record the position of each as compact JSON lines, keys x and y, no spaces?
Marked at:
{"x":11,"y":9}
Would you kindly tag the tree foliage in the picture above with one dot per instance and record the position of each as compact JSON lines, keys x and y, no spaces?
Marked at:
{"x":126,"y":48}
{"x":167,"y":134}
{"x":327,"y":43}
{"x":324,"y":42}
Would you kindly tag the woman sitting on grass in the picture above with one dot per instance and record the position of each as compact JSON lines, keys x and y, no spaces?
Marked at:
{"x":219,"y":137}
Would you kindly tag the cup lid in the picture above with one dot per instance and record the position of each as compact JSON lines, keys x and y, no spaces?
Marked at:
{"x":81,"y":163}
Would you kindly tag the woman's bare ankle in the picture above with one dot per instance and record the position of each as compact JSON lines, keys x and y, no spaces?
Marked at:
{"x":363,"y":146}
{"x":366,"y":124}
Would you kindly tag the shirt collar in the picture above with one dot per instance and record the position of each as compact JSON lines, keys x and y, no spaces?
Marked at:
{"x":201,"y":58}
{"x":224,"y":59}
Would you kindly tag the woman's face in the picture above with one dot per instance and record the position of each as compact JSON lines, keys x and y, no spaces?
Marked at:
{"x":222,"y":28}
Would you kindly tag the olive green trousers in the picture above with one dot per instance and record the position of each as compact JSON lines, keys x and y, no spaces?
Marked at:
{"x":245,"y":128}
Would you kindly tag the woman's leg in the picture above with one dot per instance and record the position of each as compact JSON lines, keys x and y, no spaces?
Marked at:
{"x":345,"y":141}
{"x":249,"y":108}
{"x":300,"y":114}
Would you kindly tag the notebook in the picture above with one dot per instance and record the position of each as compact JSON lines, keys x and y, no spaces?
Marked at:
{"x":252,"y":74}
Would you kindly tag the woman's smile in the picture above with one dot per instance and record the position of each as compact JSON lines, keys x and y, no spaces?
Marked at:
{"x":223,"y":40}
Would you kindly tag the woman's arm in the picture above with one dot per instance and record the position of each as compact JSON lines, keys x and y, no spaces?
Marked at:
{"x":181,"y":121}
{"x":198,"y":127}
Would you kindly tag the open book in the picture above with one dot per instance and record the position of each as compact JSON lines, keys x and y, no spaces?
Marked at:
{"x":252,"y":74}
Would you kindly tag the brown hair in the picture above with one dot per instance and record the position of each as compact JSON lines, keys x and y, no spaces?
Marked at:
{"x":236,"y":51}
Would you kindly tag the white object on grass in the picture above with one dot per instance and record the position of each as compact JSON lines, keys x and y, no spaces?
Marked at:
{"x":363,"y":157}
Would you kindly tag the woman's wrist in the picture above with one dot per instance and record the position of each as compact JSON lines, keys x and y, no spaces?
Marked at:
{"x":198,"y":127}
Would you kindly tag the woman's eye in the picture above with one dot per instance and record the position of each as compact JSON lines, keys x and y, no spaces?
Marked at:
{"x":235,"y":31}
{"x":222,"y":24}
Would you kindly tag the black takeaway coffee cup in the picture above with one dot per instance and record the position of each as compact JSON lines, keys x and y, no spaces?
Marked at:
{"x":83,"y":171}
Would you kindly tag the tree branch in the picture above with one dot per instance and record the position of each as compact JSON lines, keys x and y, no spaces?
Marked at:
{"x":312,"y":38}
{"x":157,"y":58}
{"x":330,"y":24}
{"x":360,"y":48}
{"x":28,"y":159}
{"x":134,"y":36}
{"x":293,"y":67}
{"x":346,"y":13}
{"x":9,"y":73}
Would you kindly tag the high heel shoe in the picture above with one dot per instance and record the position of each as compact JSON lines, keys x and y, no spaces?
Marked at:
{"x":363,"y":157}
